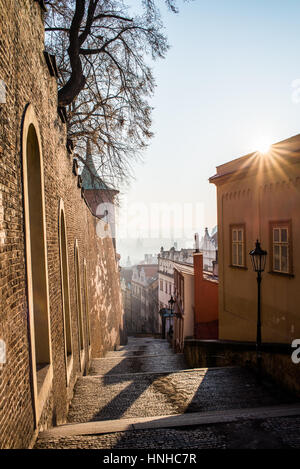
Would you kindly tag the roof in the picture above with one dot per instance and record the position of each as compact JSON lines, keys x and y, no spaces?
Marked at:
{"x":151,"y":273}
{"x":126,"y":274}
{"x":184,"y":268}
{"x":189,"y":270}
{"x":149,"y":269}
{"x":152,"y":280}
{"x":90,"y":177}
{"x":288,"y":151}
{"x":215,"y":238}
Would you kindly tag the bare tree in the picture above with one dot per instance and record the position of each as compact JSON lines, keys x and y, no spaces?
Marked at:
{"x":105,"y":77}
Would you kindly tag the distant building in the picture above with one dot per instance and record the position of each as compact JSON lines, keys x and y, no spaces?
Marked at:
{"x":196,"y":307}
{"x":184,"y":306}
{"x":209,"y":247}
{"x":150,"y":259}
{"x":206,"y":312}
{"x":166,"y":260}
{"x":258,"y":197}
{"x":145,"y":316}
{"x":126,"y":288}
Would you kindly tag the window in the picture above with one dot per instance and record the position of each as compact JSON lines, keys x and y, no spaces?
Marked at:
{"x":237,"y":245}
{"x":281,"y":252}
{"x":181,"y":291}
{"x":161,"y":285}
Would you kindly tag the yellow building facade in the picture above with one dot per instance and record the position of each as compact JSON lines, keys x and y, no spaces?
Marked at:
{"x":258,"y":197}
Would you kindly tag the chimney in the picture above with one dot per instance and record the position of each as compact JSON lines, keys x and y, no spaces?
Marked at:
{"x":198,"y":287}
{"x":196,"y":242}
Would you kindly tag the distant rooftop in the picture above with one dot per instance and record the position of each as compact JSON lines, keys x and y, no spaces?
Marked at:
{"x":149,"y":269}
{"x":183,"y":255}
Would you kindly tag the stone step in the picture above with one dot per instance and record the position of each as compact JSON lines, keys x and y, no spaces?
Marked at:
{"x":138,"y":353}
{"x":114,"y":356}
{"x":145,"y":363}
{"x":132,"y":375}
{"x":132,"y":395}
{"x":168,"y":421}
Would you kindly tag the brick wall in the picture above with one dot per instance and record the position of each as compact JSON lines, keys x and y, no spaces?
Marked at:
{"x":25,"y":73}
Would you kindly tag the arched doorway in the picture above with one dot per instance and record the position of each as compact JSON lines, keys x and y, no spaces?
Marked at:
{"x":79,"y":305}
{"x":36,"y":259}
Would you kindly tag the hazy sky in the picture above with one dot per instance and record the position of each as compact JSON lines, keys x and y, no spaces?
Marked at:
{"x":229,"y":82}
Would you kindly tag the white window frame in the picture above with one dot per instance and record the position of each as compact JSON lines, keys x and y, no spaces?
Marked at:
{"x":281,"y":244}
{"x":235,"y":243}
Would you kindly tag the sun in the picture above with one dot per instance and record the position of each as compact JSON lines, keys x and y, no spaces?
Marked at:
{"x":263,"y":145}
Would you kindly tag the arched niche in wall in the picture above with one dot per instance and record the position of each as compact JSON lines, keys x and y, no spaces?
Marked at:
{"x":36,"y":259}
{"x":86,"y":303}
{"x":79,"y":303}
{"x":65,"y":289}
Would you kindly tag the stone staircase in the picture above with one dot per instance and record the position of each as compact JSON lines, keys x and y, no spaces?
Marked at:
{"x":145,"y":387}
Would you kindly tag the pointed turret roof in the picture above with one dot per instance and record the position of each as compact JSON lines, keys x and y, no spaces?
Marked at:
{"x":89,"y":175}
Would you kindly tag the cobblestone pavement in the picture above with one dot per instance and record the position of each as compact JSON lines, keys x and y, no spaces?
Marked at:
{"x":259,"y":434}
{"x":145,"y":379}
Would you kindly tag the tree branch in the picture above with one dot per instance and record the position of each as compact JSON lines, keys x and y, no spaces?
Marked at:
{"x":77,"y":80}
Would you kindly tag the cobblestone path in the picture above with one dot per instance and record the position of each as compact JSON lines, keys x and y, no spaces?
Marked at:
{"x":135,"y":389}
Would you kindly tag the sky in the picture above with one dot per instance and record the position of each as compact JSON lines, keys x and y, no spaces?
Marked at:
{"x":229,"y":83}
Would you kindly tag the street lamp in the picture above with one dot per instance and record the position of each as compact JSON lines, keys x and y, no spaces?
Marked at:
{"x":171,"y":303}
{"x":258,"y":258}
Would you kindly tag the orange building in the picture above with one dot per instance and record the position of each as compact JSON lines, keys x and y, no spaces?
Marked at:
{"x":258,"y":197}
{"x":196,"y":296}
{"x":205,"y":301}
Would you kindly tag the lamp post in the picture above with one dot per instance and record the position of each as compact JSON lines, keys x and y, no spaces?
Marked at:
{"x":258,"y":258}
{"x":171,"y":303}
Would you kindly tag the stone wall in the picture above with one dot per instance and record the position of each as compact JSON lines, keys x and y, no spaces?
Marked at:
{"x":276,"y":359}
{"x":25,"y":73}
